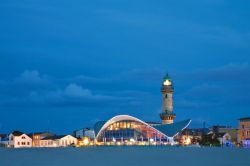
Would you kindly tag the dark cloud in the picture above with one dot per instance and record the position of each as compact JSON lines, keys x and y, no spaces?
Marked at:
{"x":215,"y":88}
{"x":230,"y":72}
{"x":72,"y":95}
{"x":210,"y":88}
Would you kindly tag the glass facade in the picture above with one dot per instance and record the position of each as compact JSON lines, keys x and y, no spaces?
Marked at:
{"x":130,"y":131}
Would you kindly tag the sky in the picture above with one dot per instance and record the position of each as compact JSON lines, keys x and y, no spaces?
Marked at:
{"x":65,"y":65}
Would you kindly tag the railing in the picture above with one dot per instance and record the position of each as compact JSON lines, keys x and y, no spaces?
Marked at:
{"x":167,"y":114}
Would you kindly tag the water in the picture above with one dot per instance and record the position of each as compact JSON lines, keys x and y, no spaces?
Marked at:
{"x":125,"y":156}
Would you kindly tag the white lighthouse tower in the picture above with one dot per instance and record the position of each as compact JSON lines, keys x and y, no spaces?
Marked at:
{"x":167,"y":90}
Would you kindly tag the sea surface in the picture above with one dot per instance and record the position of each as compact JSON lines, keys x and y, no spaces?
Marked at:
{"x":125,"y":156}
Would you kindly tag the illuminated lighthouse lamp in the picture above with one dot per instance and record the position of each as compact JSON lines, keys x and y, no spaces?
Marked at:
{"x":167,"y":82}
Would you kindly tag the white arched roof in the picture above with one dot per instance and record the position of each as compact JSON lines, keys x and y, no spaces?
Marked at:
{"x":125,"y":117}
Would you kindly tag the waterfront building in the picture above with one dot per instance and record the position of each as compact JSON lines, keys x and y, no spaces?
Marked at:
{"x":226,"y":129}
{"x":129,"y":130}
{"x":225,"y":139}
{"x":125,"y":129}
{"x":36,"y":137}
{"x":58,"y":141}
{"x":244,"y":132}
{"x":18,"y":139}
{"x":192,"y":136}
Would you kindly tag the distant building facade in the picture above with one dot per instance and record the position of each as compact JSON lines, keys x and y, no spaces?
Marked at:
{"x":226,"y":129}
{"x":18,"y":139}
{"x":58,"y":141}
{"x":85,"y":132}
{"x":192,"y":136}
{"x":244,"y":131}
{"x":37,"y":137}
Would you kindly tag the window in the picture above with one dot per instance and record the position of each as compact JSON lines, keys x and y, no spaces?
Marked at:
{"x":243,"y":126}
{"x":23,"y":137}
{"x":18,"y":143}
{"x":28,"y":143}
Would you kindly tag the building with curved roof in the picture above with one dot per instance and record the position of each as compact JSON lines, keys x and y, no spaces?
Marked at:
{"x":128,"y":129}
{"x":125,"y":129}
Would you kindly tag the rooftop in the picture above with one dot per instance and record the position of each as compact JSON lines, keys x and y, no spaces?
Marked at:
{"x":54,"y":137}
{"x":17,"y":133}
{"x":3,"y":135}
{"x":167,"y":77}
{"x":246,"y":118}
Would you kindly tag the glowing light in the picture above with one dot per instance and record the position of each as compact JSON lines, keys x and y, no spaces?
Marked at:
{"x":114,"y":140}
{"x":85,"y":141}
{"x":167,"y":82}
{"x":188,"y":141}
{"x":132,"y":140}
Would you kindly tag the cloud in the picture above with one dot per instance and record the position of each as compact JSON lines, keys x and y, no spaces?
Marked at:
{"x":32,"y":77}
{"x":203,"y":91}
{"x":72,"y":95}
{"x":144,"y":74}
{"x":200,"y":89}
{"x":74,"y":90}
{"x":24,"y":83}
{"x":229,"y":72}
{"x":221,"y":87}
{"x":198,"y":99}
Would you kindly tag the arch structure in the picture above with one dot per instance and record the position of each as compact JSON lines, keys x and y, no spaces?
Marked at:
{"x":125,"y":128}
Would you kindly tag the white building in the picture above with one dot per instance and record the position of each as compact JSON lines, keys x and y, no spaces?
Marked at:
{"x":18,"y":139}
{"x":58,"y":141}
{"x":224,"y":138}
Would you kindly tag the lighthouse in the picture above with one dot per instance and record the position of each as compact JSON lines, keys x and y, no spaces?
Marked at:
{"x":167,"y":90}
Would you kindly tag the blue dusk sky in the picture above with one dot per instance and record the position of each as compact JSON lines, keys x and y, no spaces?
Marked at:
{"x":66,"y":64}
